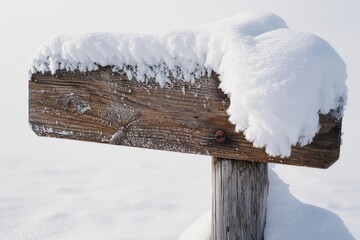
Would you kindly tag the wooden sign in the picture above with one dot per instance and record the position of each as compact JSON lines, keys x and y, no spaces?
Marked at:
{"x":106,"y":107}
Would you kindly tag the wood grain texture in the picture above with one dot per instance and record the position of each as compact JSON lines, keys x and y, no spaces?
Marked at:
{"x":240,"y":190}
{"x":106,"y":107}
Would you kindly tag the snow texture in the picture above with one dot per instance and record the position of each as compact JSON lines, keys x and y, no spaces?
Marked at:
{"x":287,"y":218}
{"x":278,"y":80}
{"x":199,"y":230}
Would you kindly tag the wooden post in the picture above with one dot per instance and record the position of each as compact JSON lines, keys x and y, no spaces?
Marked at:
{"x":240,"y":190}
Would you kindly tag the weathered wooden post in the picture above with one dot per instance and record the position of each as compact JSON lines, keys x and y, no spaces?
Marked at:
{"x":240,"y":190}
{"x":106,"y":107}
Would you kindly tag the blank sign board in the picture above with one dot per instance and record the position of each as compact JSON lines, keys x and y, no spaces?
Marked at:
{"x":106,"y":107}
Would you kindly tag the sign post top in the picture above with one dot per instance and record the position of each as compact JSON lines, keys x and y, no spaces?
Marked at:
{"x":276,"y":81}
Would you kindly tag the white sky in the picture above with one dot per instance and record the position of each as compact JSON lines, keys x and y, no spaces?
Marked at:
{"x":25,"y":24}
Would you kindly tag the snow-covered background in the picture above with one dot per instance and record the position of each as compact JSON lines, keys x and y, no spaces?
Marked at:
{"x":58,"y":189}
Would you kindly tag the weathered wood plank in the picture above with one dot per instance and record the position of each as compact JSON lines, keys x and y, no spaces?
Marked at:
{"x":106,"y":107}
{"x":240,"y":190}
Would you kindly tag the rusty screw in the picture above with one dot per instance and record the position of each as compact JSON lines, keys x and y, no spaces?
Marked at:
{"x":220,"y":136}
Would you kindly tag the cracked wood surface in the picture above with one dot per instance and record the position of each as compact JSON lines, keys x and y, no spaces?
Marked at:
{"x":106,"y":107}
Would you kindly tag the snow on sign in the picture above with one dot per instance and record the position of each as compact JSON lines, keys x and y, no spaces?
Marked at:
{"x":246,"y":88}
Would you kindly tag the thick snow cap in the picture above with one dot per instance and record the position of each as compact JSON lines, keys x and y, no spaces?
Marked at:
{"x":278,"y":80}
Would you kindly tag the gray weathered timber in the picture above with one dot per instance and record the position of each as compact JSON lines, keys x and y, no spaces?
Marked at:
{"x":106,"y":107}
{"x":240,"y":190}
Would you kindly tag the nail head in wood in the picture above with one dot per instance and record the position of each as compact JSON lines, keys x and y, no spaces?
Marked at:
{"x":220,"y":136}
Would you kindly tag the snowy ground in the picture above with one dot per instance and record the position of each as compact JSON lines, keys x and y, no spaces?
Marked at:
{"x":80,"y":190}
{"x":56,"y":189}
{"x":107,"y":194}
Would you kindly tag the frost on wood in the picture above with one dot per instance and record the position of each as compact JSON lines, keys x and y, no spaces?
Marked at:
{"x":278,"y":80}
